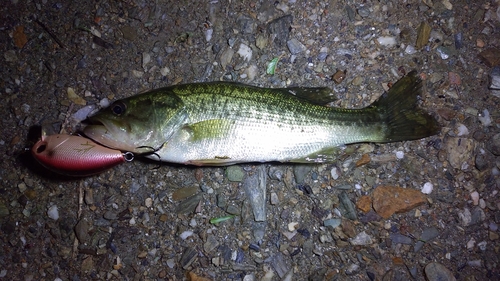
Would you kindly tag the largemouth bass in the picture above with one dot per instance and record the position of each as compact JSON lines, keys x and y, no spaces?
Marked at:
{"x":221,"y":123}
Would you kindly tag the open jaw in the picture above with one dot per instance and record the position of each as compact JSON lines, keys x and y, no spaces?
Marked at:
{"x":109,"y":134}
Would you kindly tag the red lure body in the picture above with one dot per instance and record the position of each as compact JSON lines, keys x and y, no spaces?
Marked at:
{"x":75,"y":155}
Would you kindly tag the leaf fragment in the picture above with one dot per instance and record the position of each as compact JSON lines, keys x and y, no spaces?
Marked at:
{"x":271,"y":67}
{"x":221,"y":219}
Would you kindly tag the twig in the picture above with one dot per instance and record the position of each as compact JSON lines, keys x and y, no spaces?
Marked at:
{"x":51,"y":34}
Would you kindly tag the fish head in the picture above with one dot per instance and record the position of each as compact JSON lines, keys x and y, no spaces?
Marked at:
{"x":139,"y":124}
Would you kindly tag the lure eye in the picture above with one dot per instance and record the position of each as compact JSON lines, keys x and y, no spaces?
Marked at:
{"x":118,"y":108}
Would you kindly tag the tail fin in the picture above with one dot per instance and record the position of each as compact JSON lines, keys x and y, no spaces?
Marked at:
{"x":398,"y":110}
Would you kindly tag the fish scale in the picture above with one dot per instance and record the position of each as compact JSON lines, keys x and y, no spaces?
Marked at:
{"x":222,"y":123}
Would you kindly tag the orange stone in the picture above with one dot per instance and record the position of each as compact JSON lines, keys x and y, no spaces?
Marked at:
{"x":191,"y":276}
{"x":365,"y":159}
{"x":388,"y":200}
{"x":364,"y":203}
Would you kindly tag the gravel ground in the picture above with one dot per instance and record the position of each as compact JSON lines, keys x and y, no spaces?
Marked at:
{"x":144,"y":221}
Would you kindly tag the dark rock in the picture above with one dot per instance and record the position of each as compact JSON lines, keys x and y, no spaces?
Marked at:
{"x":280,"y":29}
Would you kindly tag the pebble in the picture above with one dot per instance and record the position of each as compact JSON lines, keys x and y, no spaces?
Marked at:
{"x":235,"y":173}
{"x":427,"y":188}
{"x":400,"y":154}
{"x":427,"y":235}
{"x":104,"y":102}
{"x":387,"y":41}
{"x":293,"y":226}
{"x":461,"y":130}
{"x":295,"y":47}
{"x":400,"y":239}
{"x":164,"y":71}
{"x":300,"y":172}
{"x":255,"y":188}
{"x":278,"y":263}
{"x":333,"y":223}
{"x":208,"y":34}
{"x":110,"y":215}
{"x":475,"y":198}
{"x":10,"y":56}
{"x":335,"y":173}
{"x":443,"y":52}
{"x":388,"y":200}
{"x":137,"y":73}
{"x":459,"y":151}
{"x":495,"y":80}
{"x":485,"y":118}
{"x":494,"y":145}
{"x":437,"y":272}
{"x":274,"y":198}
{"x":362,"y":239}
{"x":211,"y":244}
{"x":74,"y":98}
{"x":347,"y":207}
{"x":129,"y":33}
{"x":465,"y":216}
{"x":53,"y":212}
{"x":149,"y":202}
{"x":188,"y":257}
{"x":410,"y":50}
{"x":245,"y":52}
{"x":364,"y":203}
{"x":275,"y":173}
{"x":146,"y":58}
{"x":279,"y":29}
{"x":185,"y":234}
{"x":363,"y":11}
{"x":471,"y":243}
{"x":491,"y":58}
{"x":82,"y":231}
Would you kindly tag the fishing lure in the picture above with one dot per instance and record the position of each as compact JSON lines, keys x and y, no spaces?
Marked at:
{"x":76,"y":156}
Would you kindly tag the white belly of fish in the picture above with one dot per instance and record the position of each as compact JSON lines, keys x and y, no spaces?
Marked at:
{"x":246,"y":142}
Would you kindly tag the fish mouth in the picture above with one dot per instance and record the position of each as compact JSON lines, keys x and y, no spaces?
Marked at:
{"x":108,"y":133}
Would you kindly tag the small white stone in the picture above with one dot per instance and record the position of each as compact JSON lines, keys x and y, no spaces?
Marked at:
{"x":208,"y":34}
{"x":164,"y":71}
{"x":104,"y":102}
{"x":335,"y":173}
{"x":410,"y":50}
{"x":358,"y":186}
{"x":193,"y":223}
{"x":245,"y":52}
{"x":146,"y":58}
{"x":293,"y":226}
{"x":184,"y":235}
{"x":132,"y":221}
{"x":400,"y":154}
{"x":462,"y":130}
{"x":53,"y":212}
{"x":485,"y":118}
{"x":471,"y":244}
{"x":427,"y":188}
{"x":149,"y":202}
{"x":475,"y":198}
{"x":482,"y":203}
{"x":137,"y":73}
{"x":387,"y":41}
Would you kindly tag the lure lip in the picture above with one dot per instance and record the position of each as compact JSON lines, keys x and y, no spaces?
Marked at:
{"x":75,"y":155}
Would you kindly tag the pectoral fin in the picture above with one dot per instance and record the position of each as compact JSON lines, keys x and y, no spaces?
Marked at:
{"x":208,"y":129}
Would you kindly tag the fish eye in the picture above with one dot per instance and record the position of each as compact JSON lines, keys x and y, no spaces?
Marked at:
{"x":118,"y":108}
